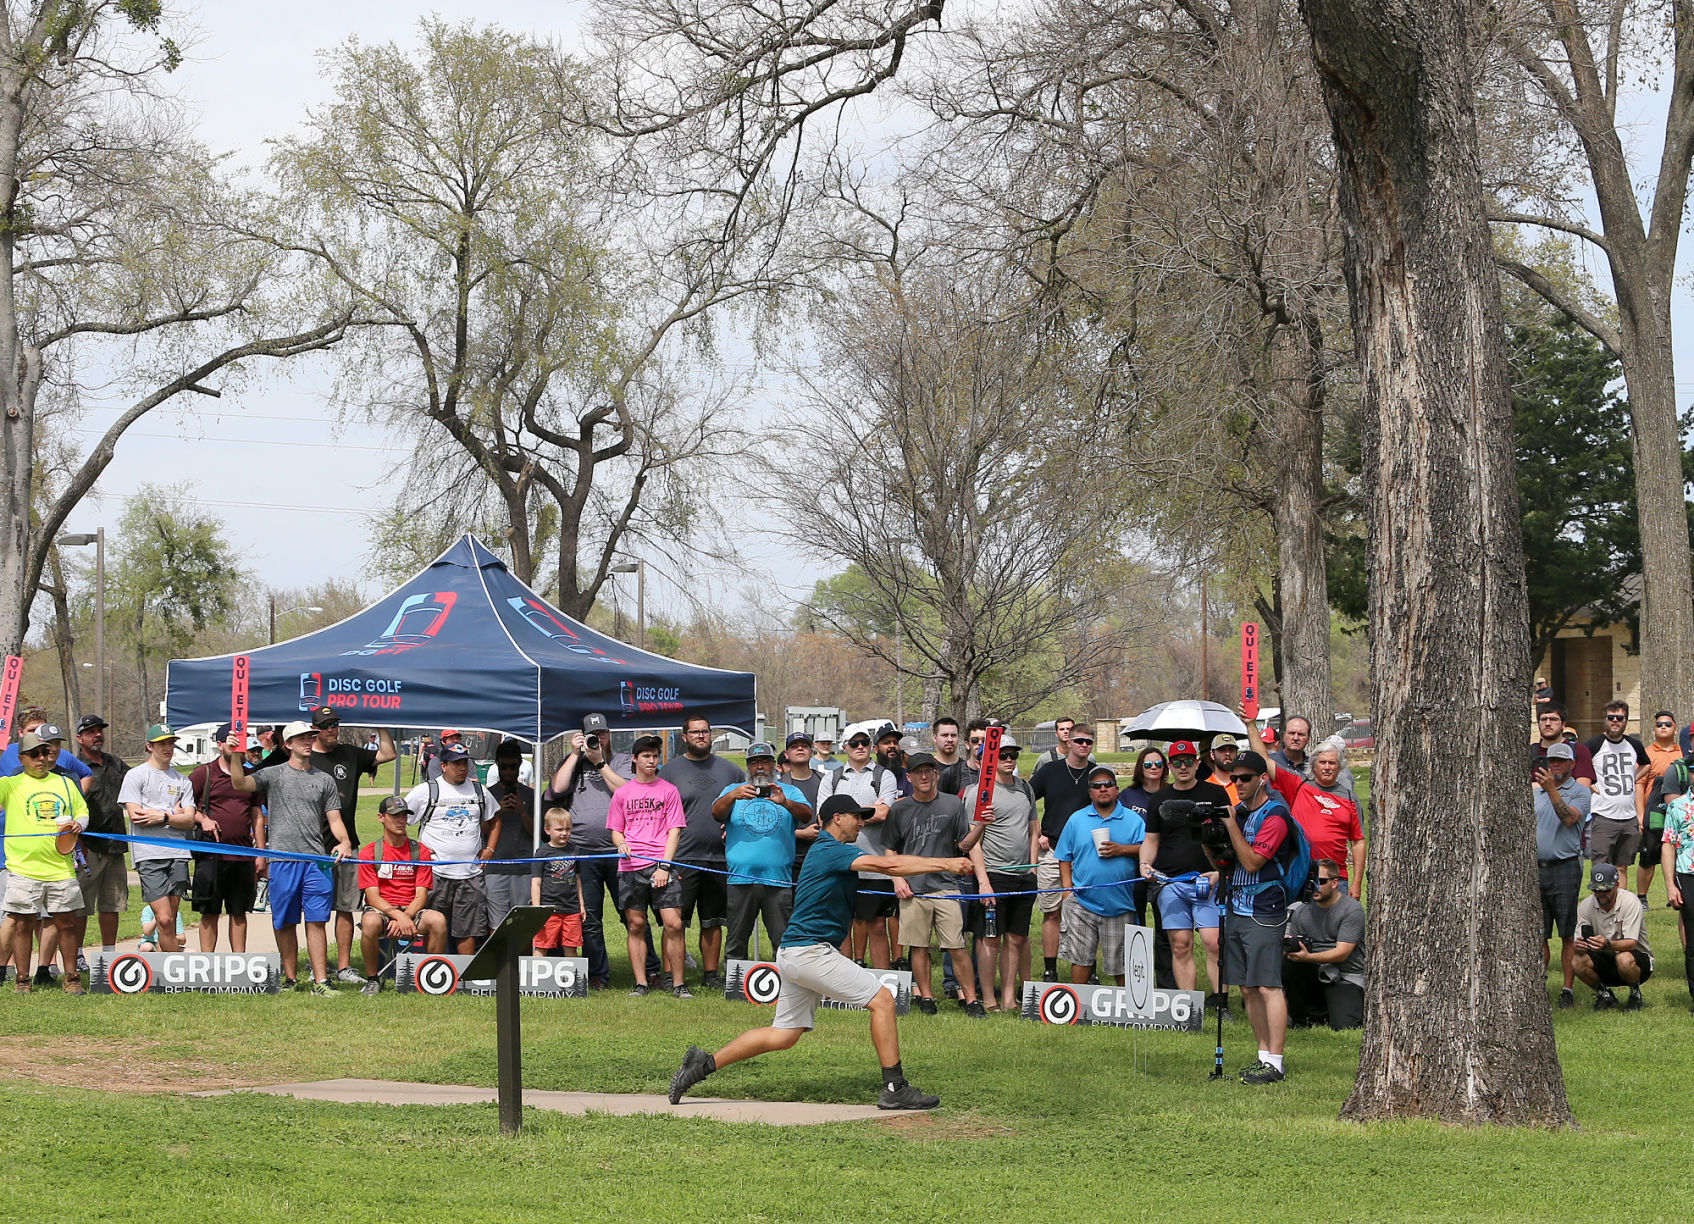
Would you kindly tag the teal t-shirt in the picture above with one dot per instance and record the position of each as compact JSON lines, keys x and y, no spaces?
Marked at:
{"x":823,"y":900}
{"x":758,"y":841}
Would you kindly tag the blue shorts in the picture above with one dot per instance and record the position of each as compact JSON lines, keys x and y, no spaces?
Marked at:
{"x":1188,"y":905}
{"x":298,"y":886}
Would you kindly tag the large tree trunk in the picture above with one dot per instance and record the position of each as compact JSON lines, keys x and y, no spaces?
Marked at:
{"x":65,"y":643}
{"x":1303,"y":637}
{"x":1457,"y":1023}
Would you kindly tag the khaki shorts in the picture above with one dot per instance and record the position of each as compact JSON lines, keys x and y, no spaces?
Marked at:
{"x":34,"y":897}
{"x":105,"y":884}
{"x":1046,"y":877}
{"x":941,"y":914}
{"x":812,"y":972}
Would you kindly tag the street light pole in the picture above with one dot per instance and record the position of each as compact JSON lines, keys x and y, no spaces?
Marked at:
{"x":639,"y":569}
{"x":286,"y":611}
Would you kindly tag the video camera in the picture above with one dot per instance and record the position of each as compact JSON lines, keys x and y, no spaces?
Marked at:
{"x":1206,"y":821}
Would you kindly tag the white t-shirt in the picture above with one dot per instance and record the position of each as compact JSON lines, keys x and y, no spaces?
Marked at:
{"x":454,"y":830}
{"x":1614,"y":779}
{"x":166,"y":790}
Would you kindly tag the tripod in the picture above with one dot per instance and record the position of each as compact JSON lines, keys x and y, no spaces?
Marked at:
{"x":1221,"y":987}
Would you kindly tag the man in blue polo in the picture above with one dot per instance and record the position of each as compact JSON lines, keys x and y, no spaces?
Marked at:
{"x":1099,"y":856}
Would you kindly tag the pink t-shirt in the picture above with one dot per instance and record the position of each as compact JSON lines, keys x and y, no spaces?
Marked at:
{"x":644,"y":812}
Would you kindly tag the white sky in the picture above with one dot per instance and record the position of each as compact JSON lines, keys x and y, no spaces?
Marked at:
{"x":269,"y":461}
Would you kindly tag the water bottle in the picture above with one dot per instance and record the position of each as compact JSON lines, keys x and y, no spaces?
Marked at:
{"x":991,"y":924}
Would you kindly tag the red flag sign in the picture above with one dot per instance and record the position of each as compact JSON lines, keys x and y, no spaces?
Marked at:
{"x":238,"y":700}
{"x":1250,"y":670}
{"x":9,"y":681}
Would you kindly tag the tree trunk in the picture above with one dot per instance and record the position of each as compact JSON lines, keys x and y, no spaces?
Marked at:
{"x":1457,"y":1022}
{"x":1303,"y":636}
{"x":65,"y":642}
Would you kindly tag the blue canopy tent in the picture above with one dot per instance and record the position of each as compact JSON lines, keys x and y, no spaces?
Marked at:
{"x":464,"y":644}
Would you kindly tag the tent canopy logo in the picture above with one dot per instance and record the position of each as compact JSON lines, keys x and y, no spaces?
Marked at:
{"x":417,"y":620}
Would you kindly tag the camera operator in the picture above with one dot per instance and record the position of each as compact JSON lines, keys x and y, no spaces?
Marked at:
{"x":1186,"y":897}
{"x":1325,"y":948}
{"x":1257,"y":909}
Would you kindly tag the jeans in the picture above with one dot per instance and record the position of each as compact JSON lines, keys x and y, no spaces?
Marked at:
{"x":598,"y":876}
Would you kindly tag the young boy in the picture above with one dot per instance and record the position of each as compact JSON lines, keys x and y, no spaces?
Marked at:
{"x":555,"y":883}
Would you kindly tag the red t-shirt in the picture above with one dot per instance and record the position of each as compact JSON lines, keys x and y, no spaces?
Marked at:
{"x":1329,"y":821}
{"x":397,"y":878}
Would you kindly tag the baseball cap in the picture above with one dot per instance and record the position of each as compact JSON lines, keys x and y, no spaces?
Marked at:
{"x":49,"y":732}
{"x":390,"y":805}
{"x":1181,"y":748}
{"x":921,"y":760}
{"x":1008,"y":741}
{"x":1252,"y":762}
{"x":798,"y":737}
{"x":836,"y":805}
{"x":90,"y":721}
{"x":222,"y":733}
{"x":1561,"y":751}
{"x":1225,"y":741}
{"x":29,"y":741}
{"x":760,"y":749}
{"x":1103,"y":769}
{"x":295,"y":728}
{"x":323,"y":716}
{"x":449,"y":733}
{"x":159,"y":731}
{"x":887,"y":731}
{"x":253,"y":742}
{"x":455,"y":752}
{"x":1604,"y":877}
{"x":858,"y":737}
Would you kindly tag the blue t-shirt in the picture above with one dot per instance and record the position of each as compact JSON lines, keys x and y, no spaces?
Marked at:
{"x":1076,"y":847}
{"x":758,"y":841}
{"x":823,"y":899}
{"x":10,"y":764}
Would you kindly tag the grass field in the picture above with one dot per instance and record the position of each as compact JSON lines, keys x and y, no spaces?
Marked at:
{"x":1037,"y":1123}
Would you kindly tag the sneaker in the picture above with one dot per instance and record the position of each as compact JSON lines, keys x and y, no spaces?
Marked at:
{"x":372,"y":986}
{"x":974,"y":1010}
{"x":663,"y":981}
{"x":1634,"y":1003}
{"x":42,"y":976}
{"x":349,"y":975}
{"x":903,"y":965}
{"x":1264,"y":1073}
{"x":924,"y":1004}
{"x":81,"y":963}
{"x":712,"y":981}
{"x":54,"y":972}
{"x":950,"y":990}
{"x":906,"y":1096}
{"x":1258,"y":1064}
{"x":1642,"y":897}
{"x":682,"y":992}
{"x":1093,"y":979}
{"x":1049,"y":976}
{"x":595,"y":983}
{"x":1567,"y":997}
{"x":688,"y":961}
{"x":639,"y":991}
{"x":696,"y":1066}
{"x":1604,"y":999}
{"x":290,"y":984}
{"x":322,"y":990}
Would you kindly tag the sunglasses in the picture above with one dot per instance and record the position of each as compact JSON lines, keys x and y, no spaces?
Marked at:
{"x":1081,"y":739}
{"x":37,"y":752}
{"x":1328,"y":879}
{"x":1617,"y":718}
{"x":1152,"y":764}
{"x":1241,"y":779}
{"x":1184,"y":760}
{"x":1664,"y":724}
{"x":1102,"y":786}
{"x":1009,"y":754}
{"x":858,"y":743}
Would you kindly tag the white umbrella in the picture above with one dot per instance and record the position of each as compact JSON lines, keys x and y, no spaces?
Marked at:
{"x":1196,"y":720}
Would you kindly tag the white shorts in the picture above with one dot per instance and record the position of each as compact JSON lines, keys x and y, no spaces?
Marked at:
{"x":811,"y":972}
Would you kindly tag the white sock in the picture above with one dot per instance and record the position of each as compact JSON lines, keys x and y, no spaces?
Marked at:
{"x":1264,"y":1056}
{"x":108,"y":950}
{"x":1274,"y":1060}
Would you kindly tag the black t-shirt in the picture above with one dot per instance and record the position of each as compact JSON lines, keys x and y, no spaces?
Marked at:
{"x":557,"y":875}
{"x":809,"y":788}
{"x":1179,"y":852}
{"x":1063,"y":792}
{"x":957,"y":776}
{"x":700,"y":783}
{"x":105,"y":813}
{"x":345,"y":765}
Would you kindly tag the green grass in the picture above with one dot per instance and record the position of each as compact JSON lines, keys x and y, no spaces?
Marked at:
{"x":1037,"y":1123}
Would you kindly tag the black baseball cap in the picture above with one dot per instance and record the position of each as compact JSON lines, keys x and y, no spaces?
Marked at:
{"x":921,"y":760}
{"x":323,"y":716}
{"x":836,"y":805}
{"x":90,"y":721}
{"x":798,"y":737}
{"x":1252,"y":762}
{"x":454,"y":752}
{"x":887,"y":731}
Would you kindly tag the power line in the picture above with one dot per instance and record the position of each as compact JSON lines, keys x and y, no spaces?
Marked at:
{"x":131,"y":433}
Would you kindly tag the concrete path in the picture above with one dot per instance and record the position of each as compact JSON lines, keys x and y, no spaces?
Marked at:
{"x":388,"y":1092}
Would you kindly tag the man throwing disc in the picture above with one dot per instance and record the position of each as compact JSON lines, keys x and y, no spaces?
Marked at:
{"x":812,"y":965}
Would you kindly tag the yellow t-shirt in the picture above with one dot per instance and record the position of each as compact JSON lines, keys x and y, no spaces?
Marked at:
{"x":34,"y":805}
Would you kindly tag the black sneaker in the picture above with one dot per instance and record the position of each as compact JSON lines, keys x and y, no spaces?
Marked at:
{"x":906,"y":1096}
{"x":663,"y":982}
{"x":903,"y":965}
{"x":696,"y":1066}
{"x":1567,"y":997}
{"x":291,"y":983}
{"x":950,"y":990}
{"x":925,"y":1005}
{"x":712,"y":981}
{"x":372,"y":986}
{"x":1264,"y":1073}
{"x":1049,"y":976}
{"x":975,"y":1011}
{"x":1634,"y":1003}
{"x":1093,"y":979}
{"x":1258,"y":1064}
{"x":1604,"y":999}
{"x":640,"y":990}
{"x":43,"y":976}
{"x":682,"y":992}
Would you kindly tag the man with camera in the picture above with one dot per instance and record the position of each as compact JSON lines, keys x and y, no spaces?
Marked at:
{"x":1561,"y":805}
{"x":759,"y":816}
{"x":1260,"y":841}
{"x":1186,"y":897}
{"x":1611,"y":940}
{"x":1325,"y":950}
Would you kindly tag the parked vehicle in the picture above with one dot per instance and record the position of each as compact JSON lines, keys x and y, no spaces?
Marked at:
{"x":1358,"y":734}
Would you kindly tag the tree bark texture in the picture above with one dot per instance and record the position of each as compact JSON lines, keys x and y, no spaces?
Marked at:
{"x":1457,"y":1021}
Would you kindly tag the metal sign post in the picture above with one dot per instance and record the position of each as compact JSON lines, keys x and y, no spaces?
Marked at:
{"x":498,"y":959}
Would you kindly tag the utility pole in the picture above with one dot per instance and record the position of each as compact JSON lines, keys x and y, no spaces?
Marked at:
{"x":1205,"y":638}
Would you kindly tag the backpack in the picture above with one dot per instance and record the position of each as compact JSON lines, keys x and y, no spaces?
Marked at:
{"x":1295,"y":855}
{"x":376,"y":852}
{"x":435,"y":797}
{"x":1680,"y":769}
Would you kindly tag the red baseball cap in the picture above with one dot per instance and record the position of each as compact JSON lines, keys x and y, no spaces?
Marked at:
{"x":449,"y":733}
{"x":1184,"y":748}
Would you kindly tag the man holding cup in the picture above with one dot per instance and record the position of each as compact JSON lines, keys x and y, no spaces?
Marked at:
{"x":1099,"y":857}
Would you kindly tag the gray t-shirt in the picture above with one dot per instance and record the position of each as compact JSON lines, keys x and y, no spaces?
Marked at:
{"x":1555,"y":840}
{"x":1321,"y":929}
{"x":700,"y":783}
{"x":589,"y":800}
{"x":516,"y":842}
{"x":930,"y":830}
{"x":166,"y":790}
{"x":296,"y":803}
{"x":1005,"y":839}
